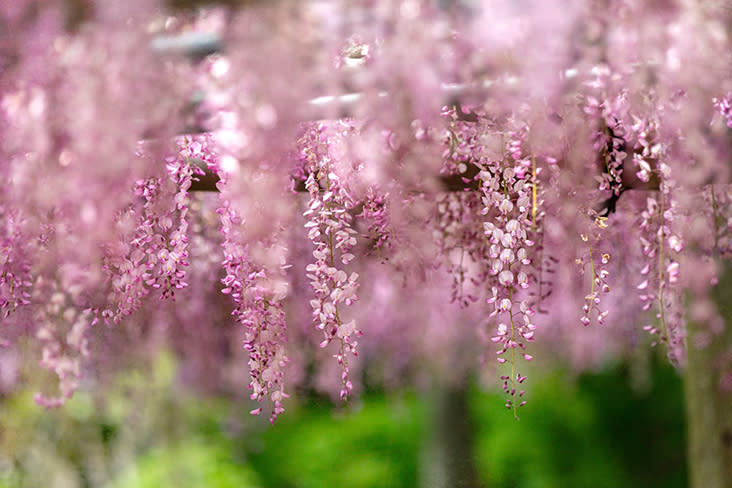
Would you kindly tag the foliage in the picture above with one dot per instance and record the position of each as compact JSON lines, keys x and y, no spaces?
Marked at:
{"x":600,"y":431}
{"x":594,"y":430}
{"x":191,"y":464}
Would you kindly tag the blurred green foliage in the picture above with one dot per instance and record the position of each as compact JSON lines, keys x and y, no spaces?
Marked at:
{"x":190,"y":463}
{"x":375,"y":444}
{"x":594,"y":430}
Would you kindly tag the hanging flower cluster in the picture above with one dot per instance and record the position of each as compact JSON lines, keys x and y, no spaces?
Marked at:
{"x":125,"y":264}
{"x":258,"y":298}
{"x":15,"y":277}
{"x":660,"y":274}
{"x":610,"y":141}
{"x":458,"y":219}
{"x":626,"y":137}
{"x":164,"y":246}
{"x":156,"y":255}
{"x":647,"y":149}
{"x":62,"y":330}
{"x":494,"y":230}
{"x":330,"y":229}
{"x":458,"y":232}
{"x":253,"y":270}
{"x":507,"y":199}
{"x":375,"y":213}
{"x":724,"y":108}
{"x":598,"y":272}
{"x":719,"y":200}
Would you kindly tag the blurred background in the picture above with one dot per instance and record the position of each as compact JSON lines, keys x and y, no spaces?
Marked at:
{"x":622,"y":426}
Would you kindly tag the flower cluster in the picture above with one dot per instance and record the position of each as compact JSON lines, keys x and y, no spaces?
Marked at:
{"x":258,"y":297}
{"x":610,"y":141}
{"x":719,"y":200}
{"x":724,"y":108}
{"x":507,"y":199}
{"x":647,"y":149}
{"x":494,"y":228}
{"x":156,"y":255}
{"x":163,"y":246}
{"x":62,"y":330}
{"x":15,"y":276}
{"x":376,"y":214}
{"x":173,"y":250}
{"x":194,"y":152}
{"x":458,"y":233}
{"x":458,"y":218}
{"x":598,"y":274}
{"x":660,"y":274}
{"x":125,"y":265}
{"x":330,"y":230}
{"x":463,"y":141}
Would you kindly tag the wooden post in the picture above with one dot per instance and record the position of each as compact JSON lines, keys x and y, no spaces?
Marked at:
{"x":448,"y":459}
{"x":708,"y":409}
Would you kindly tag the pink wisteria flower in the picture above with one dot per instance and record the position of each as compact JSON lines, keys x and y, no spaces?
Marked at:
{"x":329,"y":227}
